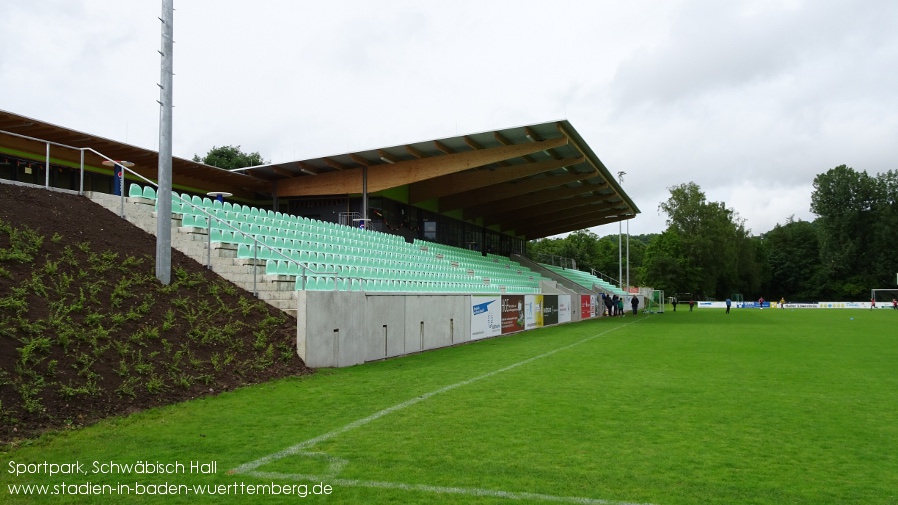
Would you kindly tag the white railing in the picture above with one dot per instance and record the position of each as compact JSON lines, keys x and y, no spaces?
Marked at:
{"x":304,"y":268}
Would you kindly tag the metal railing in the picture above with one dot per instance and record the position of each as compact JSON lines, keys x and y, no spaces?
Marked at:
{"x":304,"y":268}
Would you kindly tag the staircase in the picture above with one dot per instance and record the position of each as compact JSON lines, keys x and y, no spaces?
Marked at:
{"x":194,"y":242}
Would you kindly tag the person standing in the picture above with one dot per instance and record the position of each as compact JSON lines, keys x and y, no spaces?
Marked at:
{"x":895,"y":304}
{"x":674,"y":303}
{"x":729,"y":302}
{"x":761,"y":303}
{"x":691,"y":304}
{"x":783,"y":302}
{"x":872,"y":303}
{"x":634,"y":301}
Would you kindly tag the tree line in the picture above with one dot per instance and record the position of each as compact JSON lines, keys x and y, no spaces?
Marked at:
{"x":707,"y":251}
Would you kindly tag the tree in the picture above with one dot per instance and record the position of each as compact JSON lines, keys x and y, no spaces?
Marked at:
{"x":664,"y":267}
{"x":858,"y":215}
{"x":714,"y":254}
{"x":793,"y":256}
{"x":591,"y":253}
{"x":230,"y":157}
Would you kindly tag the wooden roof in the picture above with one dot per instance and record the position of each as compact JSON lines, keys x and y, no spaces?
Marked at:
{"x":529,"y":181}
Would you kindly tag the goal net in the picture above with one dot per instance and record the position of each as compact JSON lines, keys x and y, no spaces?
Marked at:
{"x":655,"y":303}
{"x":884,"y":297}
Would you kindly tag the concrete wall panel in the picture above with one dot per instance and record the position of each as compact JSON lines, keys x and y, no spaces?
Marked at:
{"x":381,"y":311}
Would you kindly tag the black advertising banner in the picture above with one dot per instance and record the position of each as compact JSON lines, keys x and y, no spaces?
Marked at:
{"x":550,"y":309}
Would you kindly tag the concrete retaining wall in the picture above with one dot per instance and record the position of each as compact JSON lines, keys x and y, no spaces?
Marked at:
{"x":337,"y":329}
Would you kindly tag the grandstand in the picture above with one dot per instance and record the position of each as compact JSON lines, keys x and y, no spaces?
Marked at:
{"x":441,"y":255}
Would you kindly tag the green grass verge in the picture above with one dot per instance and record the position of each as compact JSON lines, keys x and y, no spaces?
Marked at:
{"x":758,"y":407}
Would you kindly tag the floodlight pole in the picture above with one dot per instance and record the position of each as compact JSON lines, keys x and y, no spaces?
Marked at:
{"x":620,"y":263}
{"x":628,"y":255}
{"x":163,"y":195}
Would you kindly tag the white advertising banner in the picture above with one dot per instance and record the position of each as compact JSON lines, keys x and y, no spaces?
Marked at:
{"x":564,"y":309}
{"x":486,"y":317}
{"x":533,"y":311}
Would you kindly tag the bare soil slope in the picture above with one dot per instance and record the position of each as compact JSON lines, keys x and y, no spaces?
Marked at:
{"x":86,"y":330}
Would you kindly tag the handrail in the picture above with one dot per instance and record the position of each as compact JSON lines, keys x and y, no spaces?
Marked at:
{"x":303,"y":266}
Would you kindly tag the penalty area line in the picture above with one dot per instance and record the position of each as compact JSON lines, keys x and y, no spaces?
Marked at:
{"x":246,"y":468}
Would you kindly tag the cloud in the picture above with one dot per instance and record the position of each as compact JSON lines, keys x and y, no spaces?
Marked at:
{"x":725,"y":94}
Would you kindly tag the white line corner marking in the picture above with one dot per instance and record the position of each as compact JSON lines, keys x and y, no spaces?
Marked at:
{"x":336,"y":464}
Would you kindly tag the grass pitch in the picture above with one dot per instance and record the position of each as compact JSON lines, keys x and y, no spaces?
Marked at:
{"x":755,"y":407}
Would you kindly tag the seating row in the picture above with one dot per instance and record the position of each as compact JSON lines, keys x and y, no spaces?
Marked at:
{"x":585,"y":279}
{"x":371,"y":259}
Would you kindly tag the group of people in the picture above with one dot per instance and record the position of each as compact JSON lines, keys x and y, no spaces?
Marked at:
{"x":674,"y":302}
{"x":873,"y":303}
{"x":614,"y":305}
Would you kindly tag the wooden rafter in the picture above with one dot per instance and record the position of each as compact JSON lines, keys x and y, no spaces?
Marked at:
{"x":360,"y":160}
{"x":416,"y":152}
{"x":466,"y":181}
{"x":527,"y":200}
{"x":562,"y":227}
{"x":567,"y":204}
{"x":505,"y":142}
{"x":384,"y":155}
{"x":506,"y":190}
{"x":595,"y":210}
{"x":334,"y":164}
{"x":443,"y":147}
{"x":386,"y":176}
{"x":282,"y":172}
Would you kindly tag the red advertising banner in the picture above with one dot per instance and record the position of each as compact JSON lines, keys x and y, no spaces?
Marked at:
{"x":512,"y":313}
{"x":585,"y":307}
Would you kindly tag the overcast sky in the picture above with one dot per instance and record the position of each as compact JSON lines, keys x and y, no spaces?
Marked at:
{"x":748,"y":99}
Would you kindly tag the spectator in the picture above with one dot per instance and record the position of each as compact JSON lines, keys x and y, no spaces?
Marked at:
{"x":729,"y":302}
{"x":635,"y":303}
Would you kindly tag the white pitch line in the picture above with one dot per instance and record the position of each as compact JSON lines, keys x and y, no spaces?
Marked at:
{"x":248,"y":468}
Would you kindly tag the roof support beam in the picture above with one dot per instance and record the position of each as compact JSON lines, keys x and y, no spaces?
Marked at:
{"x":532,"y":233}
{"x":533,"y":212}
{"x":596,"y":210}
{"x":564,"y":226}
{"x":507,"y":190}
{"x":386,"y":176}
{"x":282,"y":172}
{"x":334,"y":164}
{"x":528,"y":200}
{"x":460,"y":182}
{"x":415,"y":152}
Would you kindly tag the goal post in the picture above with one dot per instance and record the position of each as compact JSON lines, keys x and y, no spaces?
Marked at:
{"x":655,"y":303}
{"x":884,"y":296}
{"x":738,"y":300}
